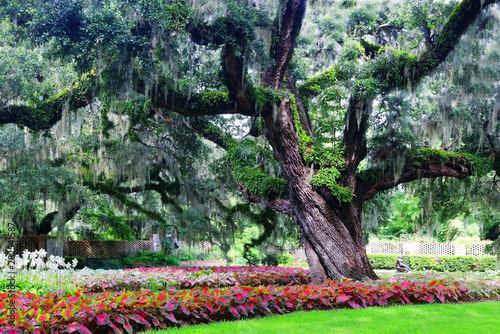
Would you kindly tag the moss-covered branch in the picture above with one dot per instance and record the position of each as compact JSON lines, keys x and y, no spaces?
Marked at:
{"x":249,"y":174}
{"x":243,"y":98}
{"x":317,"y":84}
{"x":328,"y":161}
{"x":422,"y":163}
{"x":286,"y":30}
{"x":256,"y":185}
{"x":396,"y":68}
{"x":400,"y":68}
{"x":211,"y":132}
{"x":197,"y":104}
{"x":234,"y":33}
{"x":371,"y":50}
{"x":161,"y":187}
{"x":47,"y":113}
{"x":122,"y":198}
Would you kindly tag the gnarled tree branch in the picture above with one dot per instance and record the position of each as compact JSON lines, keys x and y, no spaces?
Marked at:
{"x":122,"y":198}
{"x":214,"y":134}
{"x":293,"y":13}
{"x":46,"y":114}
{"x":434,"y":164}
{"x":408,"y":68}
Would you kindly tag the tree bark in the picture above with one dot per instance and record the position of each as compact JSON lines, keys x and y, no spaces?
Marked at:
{"x":332,"y":237}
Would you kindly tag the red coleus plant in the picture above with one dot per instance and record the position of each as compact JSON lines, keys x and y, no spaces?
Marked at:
{"x":187,"y":278}
{"x":128,"y":312}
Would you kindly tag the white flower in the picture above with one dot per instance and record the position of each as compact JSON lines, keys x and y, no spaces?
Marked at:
{"x":18,"y":262}
{"x":25,"y":259}
{"x":40,"y":264}
{"x":36,"y":261}
{"x":42,"y":253}
{"x":33,"y":255}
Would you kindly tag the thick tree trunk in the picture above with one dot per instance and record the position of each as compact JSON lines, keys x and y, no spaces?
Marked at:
{"x":331,"y":231}
{"x":332,"y":245}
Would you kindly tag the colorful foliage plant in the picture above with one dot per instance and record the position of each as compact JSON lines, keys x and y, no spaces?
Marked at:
{"x":130,"y":312}
{"x":186,"y":278}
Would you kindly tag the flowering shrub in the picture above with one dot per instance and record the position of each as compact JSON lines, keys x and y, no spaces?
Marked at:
{"x":129,"y":312}
{"x":36,"y":260}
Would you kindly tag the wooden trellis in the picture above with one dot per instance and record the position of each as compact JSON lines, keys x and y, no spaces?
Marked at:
{"x":84,"y":248}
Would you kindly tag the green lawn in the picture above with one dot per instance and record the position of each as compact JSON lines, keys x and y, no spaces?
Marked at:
{"x":434,"y":318}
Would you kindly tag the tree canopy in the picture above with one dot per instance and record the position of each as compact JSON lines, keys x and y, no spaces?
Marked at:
{"x":318,"y":107}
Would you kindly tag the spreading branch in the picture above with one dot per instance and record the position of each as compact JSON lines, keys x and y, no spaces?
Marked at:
{"x":45,"y":114}
{"x":407,"y":68}
{"x":234,"y":38}
{"x":426,"y":163}
{"x":45,"y":225}
{"x":211,"y":132}
{"x":293,"y":13}
{"x":207,"y":103}
{"x":122,"y":198}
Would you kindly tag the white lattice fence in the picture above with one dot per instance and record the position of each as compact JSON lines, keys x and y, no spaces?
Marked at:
{"x":384,"y":248}
{"x":299,"y":255}
{"x":475,"y":249}
{"x":425,"y":249}
{"x":408,"y":249}
{"x":436,"y":249}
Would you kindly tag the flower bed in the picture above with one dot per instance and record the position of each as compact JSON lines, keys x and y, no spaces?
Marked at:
{"x":203,"y":263}
{"x":248,"y":294}
{"x":189,"y":277}
{"x":128,"y":312}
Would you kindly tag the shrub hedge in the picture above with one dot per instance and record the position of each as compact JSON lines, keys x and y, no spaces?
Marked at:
{"x":435,"y":262}
{"x":156,"y":258}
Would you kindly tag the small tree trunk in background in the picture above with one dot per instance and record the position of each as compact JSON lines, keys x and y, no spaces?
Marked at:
{"x":161,"y":237}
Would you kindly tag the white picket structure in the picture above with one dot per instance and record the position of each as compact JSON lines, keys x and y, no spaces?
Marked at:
{"x":408,"y":248}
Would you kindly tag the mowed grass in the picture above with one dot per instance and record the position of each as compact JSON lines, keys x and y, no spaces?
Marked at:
{"x":474,"y":318}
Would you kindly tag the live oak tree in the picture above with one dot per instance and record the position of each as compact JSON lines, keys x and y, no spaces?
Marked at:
{"x":321,"y":128}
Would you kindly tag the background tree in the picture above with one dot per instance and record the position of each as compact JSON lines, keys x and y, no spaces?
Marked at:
{"x":337,"y":138}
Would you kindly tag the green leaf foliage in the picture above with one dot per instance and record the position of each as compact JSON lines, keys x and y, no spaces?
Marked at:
{"x":328,"y":177}
{"x":481,"y":164}
{"x":243,"y":158}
